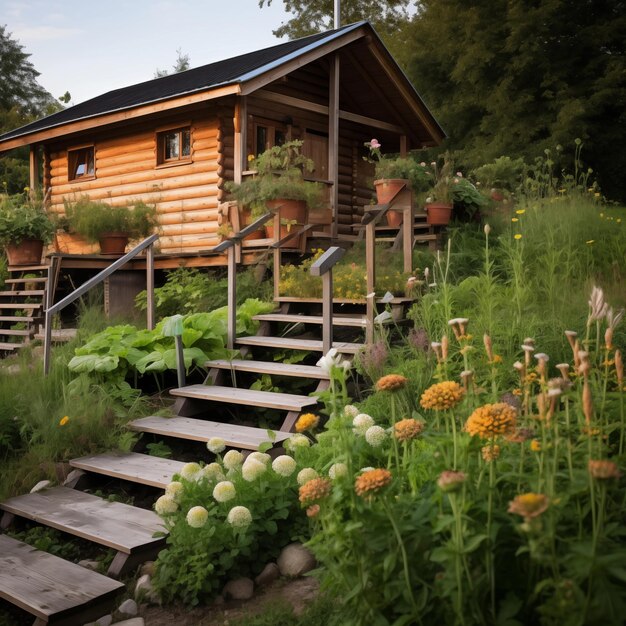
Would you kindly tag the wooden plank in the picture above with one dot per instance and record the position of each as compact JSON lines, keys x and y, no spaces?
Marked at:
{"x":20,"y":305}
{"x":33,"y":279}
{"x":270,"y":367}
{"x":11,"y":346}
{"x":295,"y":318}
{"x":16,"y":333}
{"x":395,"y":300}
{"x":16,"y":318}
{"x":251,"y":397}
{"x":22,"y":293}
{"x":51,"y":588}
{"x":245,"y":437}
{"x":138,"y":468}
{"x":294,"y":343}
{"x":113,"y":524}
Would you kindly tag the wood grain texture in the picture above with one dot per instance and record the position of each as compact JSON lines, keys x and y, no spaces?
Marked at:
{"x":270,"y":367}
{"x":294,"y":343}
{"x":49,"y":587}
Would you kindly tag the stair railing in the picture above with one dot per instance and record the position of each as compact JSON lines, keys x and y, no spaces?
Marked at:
{"x":324,"y":267}
{"x":230,"y":247}
{"x":147,"y":245}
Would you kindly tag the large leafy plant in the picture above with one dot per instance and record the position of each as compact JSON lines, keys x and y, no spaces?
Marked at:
{"x":23,"y":217}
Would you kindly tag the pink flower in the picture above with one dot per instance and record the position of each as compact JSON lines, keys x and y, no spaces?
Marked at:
{"x":459,"y":174}
{"x":374,"y":143}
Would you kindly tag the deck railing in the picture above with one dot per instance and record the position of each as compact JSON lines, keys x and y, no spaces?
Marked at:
{"x":147,"y":245}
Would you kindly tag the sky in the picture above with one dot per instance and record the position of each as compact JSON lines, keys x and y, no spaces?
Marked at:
{"x":89,"y":48}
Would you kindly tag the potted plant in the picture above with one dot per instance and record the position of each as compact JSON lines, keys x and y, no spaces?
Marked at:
{"x":440,"y":200}
{"x":111,"y":226}
{"x":24,"y":228}
{"x":278,"y":185}
{"x":392,"y":173}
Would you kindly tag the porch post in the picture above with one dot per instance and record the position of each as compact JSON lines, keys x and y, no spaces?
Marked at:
{"x":34,"y":167}
{"x":240,"y":122}
{"x":333,"y":141}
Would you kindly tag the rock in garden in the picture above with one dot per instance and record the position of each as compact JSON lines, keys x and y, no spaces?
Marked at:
{"x":128,"y":607}
{"x":239,"y":589}
{"x":106,"y":620}
{"x":94,"y":566}
{"x":42,"y":484}
{"x":73,"y":476}
{"x":295,"y":560}
{"x":269,"y":574}
{"x":135,"y":621}
{"x":145,"y":591}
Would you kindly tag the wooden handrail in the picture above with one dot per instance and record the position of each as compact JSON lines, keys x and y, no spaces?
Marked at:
{"x":324,"y":267}
{"x":146,"y":244}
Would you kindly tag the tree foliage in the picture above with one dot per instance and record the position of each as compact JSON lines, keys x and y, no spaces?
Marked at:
{"x":182,"y":63}
{"x":516,"y":77}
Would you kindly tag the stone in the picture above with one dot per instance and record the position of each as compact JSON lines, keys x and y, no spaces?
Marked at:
{"x":295,"y":560}
{"x":94,"y":566}
{"x":269,"y":574}
{"x":239,"y":589}
{"x":135,"y":621}
{"x":42,"y":484}
{"x":145,"y":591}
{"x":129,"y":607}
{"x":148,"y":568}
{"x":106,"y":620}
{"x":73,"y":477}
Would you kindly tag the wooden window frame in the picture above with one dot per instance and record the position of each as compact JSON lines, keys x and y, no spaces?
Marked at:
{"x":74,"y":149}
{"x":160,"y":134}
{"x":272,"y":126}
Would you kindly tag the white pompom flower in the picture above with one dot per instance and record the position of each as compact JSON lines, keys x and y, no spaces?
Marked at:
{"x":239,"y":517}
{"x":197,"y":516}
{"x":305,"y":475}
{"x":216,"y":445}
{"x":252,"y":469}
{"x":284,"y":465}
{"x":350,"y":411}
{"x":297,"y":441}
{"x":165,"y":505}
{"x":260,"y":456}
{"x":213,"y":471}
{"x":175,"y":490}
{"x":189,"y":471}
{"x":224,"y":491}
{"x":337,"y":470}
{"x":233,"y":459}
{"x":375,"y":436}
{"x":361,"y":423}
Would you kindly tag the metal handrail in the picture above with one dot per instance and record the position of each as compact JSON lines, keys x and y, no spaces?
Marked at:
{"x":96,"y":280}
{"x":324,"y":267}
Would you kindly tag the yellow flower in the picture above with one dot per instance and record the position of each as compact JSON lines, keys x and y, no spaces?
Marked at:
{"x":372,"y":481}
{"x":250,"y":157}
{"x":517,"y":236}
{"x":535,"y":445}
{"x":307,"y":421}
{"x":590,"y":241}
{"x":391,"y":382}
{"x":491,"y":420}
{"x":515,"y":219}
{"x":64,"y":420}
{"x":597,"y":195}
{"x":520,"y":211}
{"x":529,"y":505}
{"x":442,"y":396}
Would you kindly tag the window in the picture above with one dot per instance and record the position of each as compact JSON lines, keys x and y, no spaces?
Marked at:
{"x":174,"y":146}
{"x":80,"y":163}
{"x":267,"y":136}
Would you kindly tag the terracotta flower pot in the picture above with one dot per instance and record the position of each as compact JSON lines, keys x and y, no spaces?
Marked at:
{"x":113,"y":244}
{"x":71,"y":243}
{"x":386,"y":190}
{"x":438,"y":213}
{"x":291,"y":210}
{"x":26,"y":252}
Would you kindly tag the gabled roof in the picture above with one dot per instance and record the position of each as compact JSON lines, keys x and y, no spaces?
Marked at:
{"x":234,"y":70}
{"x":232,"y":75}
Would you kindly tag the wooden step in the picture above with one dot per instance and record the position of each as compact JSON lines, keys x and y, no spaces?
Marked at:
{"x":10,"y":346}
{"x":20,"y":305}
{"x":119,"y":526}
{"x":394,"y":300}
{"x":16,"y":318}
{"x":294,"y":343}
{"x":270,"y":367}
{"x":21,"y":293}
{"x":59,"y":335}
{"x":417,"y":238}
{"x":250,"y":397}
{"x":23,"y":333}
{"x":28,"y":268}
{"x":31,"y":279}
{"x":295,"y":318}
{"x":55,"y":591}
{"x":416,"y":226}
{"x":245,"y":437}
{"x":138,"y":468}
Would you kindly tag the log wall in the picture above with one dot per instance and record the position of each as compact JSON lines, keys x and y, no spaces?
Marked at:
{"x":186,"y":195}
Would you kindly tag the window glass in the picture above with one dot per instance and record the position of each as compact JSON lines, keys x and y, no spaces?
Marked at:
{"x":279,"y":137}
{"x":186,"y":141}
{"x":174,"y":145}
{"x":80,"y":163}
{"x":261,"y":139}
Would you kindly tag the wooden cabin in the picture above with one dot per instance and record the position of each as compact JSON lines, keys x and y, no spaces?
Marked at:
{"x":174,"y":141}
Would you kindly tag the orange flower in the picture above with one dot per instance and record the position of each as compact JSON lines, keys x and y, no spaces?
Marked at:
{"x":391,"y":382}
{"x":314,"y":490}
{"x":307,"y":421}
{"x":603,"y":470}
{"x":64,"y":420}
{"x":535,"y":445}
{"x":490,"y":453}
{"x":529,"y":505}
{"x":372,"y":481}
{"x":407,"y":429}
{"x":491,"y":420}
{"x":313,"y":510}
{"x":442,"y":396}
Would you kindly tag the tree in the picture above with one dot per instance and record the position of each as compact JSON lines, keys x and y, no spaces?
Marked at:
{"x":388,"y":17}
{"x":516,"y":77}
{"x":182,"y":64}
{"x":22,"y":100}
